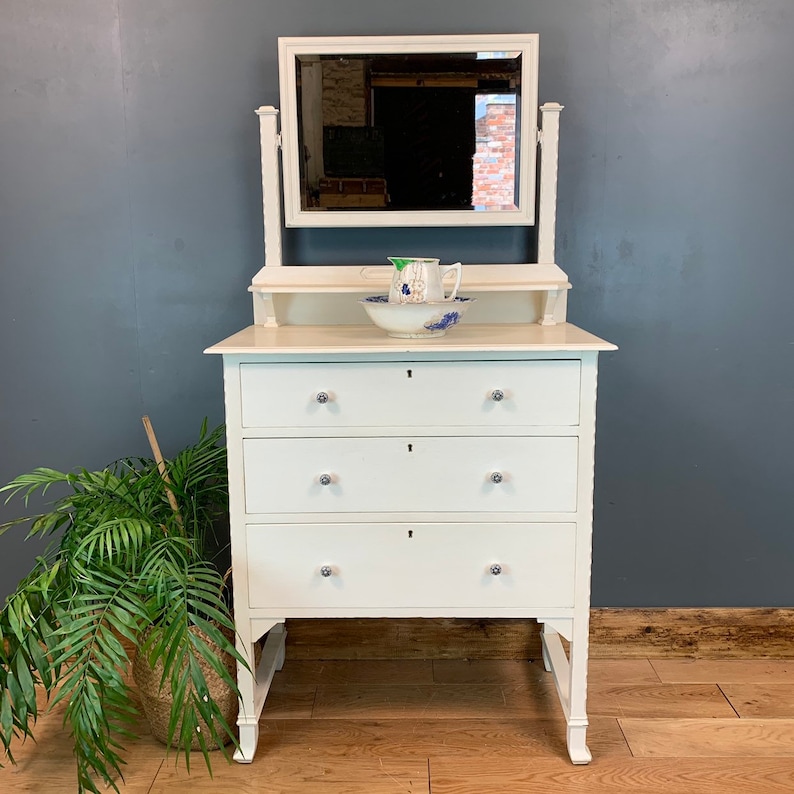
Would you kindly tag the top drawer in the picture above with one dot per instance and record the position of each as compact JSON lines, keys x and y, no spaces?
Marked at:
{"x":415,"y":394}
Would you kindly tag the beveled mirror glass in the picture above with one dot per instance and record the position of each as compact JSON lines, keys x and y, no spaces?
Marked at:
{"x":409,"y":131}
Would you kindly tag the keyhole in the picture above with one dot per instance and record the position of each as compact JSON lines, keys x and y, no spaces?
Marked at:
{"x":410,"y":447}
{"x":410,"y":533}
{"x":410,"y":373}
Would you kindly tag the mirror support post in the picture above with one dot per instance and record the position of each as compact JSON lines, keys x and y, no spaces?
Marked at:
{"x":549,"y":138}
{"x":269,"y":142}
{"x":271,"y":186}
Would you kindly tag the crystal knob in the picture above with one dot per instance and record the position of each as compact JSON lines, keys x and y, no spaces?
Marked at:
{"x":497,"y":395}
{"x":496,"y":569}
{"x":322,"y":397}
{"x":325,"y":479}
{"x":326,"y":571}
{"x":497,"y":477}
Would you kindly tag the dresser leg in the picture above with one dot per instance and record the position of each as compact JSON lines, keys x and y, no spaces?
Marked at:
{"x":577,"y":748}
{"x":544,"y":649}
{"x":248,"y":716}
{"x":255,"y":684}
{"x":577,"y":711}
{"x":249,"y":738}
{"x":570,"y":678}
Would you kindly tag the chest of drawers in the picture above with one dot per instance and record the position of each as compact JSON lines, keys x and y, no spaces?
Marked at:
{"x":375,"y":477}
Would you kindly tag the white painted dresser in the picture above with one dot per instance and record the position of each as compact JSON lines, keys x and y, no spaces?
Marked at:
{"x":380,"y":477}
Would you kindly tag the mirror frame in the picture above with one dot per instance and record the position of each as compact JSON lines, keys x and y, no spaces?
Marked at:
{"x":290,"y":47}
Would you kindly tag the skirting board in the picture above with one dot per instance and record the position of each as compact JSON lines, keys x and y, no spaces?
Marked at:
{"x":720,"y":633}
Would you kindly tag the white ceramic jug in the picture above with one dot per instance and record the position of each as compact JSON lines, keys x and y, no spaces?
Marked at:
{"x":419,"y":280}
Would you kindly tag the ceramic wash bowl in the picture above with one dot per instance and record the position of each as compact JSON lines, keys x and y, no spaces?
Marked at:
{"x":415,"y":320}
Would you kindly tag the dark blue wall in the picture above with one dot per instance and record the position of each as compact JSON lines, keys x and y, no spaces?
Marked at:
{"x":130,"y":226}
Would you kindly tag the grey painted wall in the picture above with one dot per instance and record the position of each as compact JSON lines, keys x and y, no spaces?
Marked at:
{"x":130,"y":227}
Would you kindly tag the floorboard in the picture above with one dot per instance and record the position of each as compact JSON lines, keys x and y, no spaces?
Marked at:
{"x":711,"y":738}
{"x":659,"y":700}
{"x":436,"y":701}
{"x":423,"y":738}
{"x":349,"y":775}
{"x":723,"y":671}
{"x":751,"y":699}
{"x":766,"y":776}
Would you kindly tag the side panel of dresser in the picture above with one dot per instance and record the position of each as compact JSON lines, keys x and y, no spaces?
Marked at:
{"x":570,"y":672}
{"x":253,"y":681}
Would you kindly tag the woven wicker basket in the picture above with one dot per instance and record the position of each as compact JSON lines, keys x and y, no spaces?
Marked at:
{"x":157,"y":703}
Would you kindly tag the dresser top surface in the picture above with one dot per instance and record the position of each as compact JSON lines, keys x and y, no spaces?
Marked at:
{"x":507,"y":337}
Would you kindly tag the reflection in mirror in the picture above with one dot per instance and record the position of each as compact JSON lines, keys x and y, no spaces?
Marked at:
{"x":420,"y":131}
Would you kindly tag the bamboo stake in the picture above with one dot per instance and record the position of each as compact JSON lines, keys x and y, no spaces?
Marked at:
{"x":158,"y":456}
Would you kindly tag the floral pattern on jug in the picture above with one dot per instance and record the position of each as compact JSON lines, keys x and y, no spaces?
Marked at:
{"x":419,"y":280}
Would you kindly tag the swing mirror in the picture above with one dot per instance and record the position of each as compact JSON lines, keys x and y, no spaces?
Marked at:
{"x":409,"y":131}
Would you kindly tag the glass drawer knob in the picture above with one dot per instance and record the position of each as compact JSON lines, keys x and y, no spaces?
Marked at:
{"x":325,"y":479}
{"x":326,"y":571}
{"x":322,"y":397}
{"x":496,"y":569}
{"x":497,"y":395}
{"x":497,"y":477}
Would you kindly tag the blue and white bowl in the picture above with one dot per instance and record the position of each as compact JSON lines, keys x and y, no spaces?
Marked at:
{"x":415,"y":320}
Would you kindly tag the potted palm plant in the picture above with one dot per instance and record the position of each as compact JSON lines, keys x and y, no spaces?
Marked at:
{"x":129,"y":571}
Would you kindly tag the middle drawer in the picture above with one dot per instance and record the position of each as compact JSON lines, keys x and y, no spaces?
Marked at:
{"x":421,"y":474}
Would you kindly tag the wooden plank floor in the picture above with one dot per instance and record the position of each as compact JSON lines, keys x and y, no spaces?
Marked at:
{"x":481,"y":727}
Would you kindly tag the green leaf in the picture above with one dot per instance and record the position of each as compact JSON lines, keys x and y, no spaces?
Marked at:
{"x":40,"y":662}
{"x":26,"y":682}
{"x":6,"y":718}
{"x":17,"y":698}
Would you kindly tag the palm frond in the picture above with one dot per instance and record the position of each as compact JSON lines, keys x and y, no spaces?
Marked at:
{"x":40,"y":479}
{"x":175,"y":642}
{"x":25,"y":630}
{"x":93,"y":684}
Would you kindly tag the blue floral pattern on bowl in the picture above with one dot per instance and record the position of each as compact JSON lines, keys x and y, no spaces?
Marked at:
{"x":450,"y":318}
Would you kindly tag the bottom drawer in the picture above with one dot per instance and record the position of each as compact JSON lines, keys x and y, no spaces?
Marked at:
{"x":409,"y":566}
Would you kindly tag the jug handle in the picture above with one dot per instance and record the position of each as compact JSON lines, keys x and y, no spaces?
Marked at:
{"x":444,"y":269}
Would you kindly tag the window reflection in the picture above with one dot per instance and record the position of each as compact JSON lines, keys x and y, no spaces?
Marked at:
{"x":409,"y":132}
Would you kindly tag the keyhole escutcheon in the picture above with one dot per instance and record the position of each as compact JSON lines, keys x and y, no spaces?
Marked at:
{"x":410,"y":447}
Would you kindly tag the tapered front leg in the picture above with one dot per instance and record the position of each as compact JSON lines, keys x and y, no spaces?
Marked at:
{"x":577,"y":747}
{"x":577,"y":687}
{"x":547,"y":630}
{"x":247,"y":718}
{"x":249,"y":738}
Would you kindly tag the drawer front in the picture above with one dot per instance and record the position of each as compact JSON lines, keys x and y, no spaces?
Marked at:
{"x":382,"y":566}
{"x":419,"y":474}
{"x":416,"y":394}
